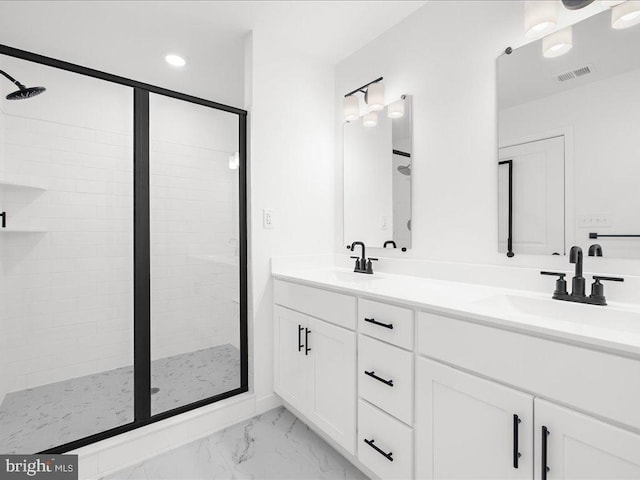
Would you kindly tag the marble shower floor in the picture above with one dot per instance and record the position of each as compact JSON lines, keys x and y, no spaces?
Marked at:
{"x":275,"y":445}
{"x":39,"y":418}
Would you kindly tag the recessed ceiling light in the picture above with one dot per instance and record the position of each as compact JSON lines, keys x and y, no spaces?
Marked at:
{"x":175,"y":60}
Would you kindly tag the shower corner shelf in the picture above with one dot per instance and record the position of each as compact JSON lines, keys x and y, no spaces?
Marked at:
{"x":5,"y":184}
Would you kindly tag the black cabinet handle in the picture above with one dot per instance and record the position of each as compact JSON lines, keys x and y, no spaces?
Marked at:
{"x":306,"y":341}
{"x":300,"y":345}
{"x":372,"y":374}
{"x":4,"y":219}
{"x":516,"y":453}
{"x":386,"y":455}
{"x":385,"y":325}
{"x":544,"y":468}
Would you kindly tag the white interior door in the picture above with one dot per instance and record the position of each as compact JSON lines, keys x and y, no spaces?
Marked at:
{"x":465,"y":427}
{"x":291,"y":365}
{"x":538,"y":197}
{"x":580,"y":447}
{"x":333,"y":381}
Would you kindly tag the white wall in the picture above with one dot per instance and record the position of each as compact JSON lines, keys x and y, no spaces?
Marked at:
{"x":290,"y":99}
{"x":445,"y":56}
{"x":603,"y":122}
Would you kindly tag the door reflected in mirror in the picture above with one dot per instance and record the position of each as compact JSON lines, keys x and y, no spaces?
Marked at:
{"x":377,"y":179}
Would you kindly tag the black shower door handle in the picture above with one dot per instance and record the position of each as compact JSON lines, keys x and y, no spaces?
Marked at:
{"x":300,"y":345}
{"x":306,"y":341}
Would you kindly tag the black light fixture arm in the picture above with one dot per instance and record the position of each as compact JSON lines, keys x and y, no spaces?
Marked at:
{"x":12,"y":80}
{"x":362,"y":88}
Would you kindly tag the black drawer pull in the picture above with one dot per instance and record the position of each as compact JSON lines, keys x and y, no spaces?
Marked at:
{"x":300,"y":345}
{"x":386,"y":455}
{"x":544,"y":468}
{"x":516,"y":453}
{"x":372,"y":374}
{"x":306,"y":341}
{"x":385,"y":325}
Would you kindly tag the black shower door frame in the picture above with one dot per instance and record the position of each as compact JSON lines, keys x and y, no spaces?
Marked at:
{"x":142,"y":250}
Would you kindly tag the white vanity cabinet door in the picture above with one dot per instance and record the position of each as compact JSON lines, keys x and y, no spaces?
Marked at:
{"x":332,"y":372}
{"x":465,"y":426}
{"x":291,"y":364}
{"x":580,"y":447}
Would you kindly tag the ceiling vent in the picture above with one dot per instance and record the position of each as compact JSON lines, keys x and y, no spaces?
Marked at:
{"x":579,"y":72}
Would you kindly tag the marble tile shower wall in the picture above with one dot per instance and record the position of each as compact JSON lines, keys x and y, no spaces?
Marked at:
{"x":67,"y":303}
{"x":194,"y":237}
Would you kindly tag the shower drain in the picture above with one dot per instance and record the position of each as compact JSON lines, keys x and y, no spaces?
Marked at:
{"x":154,"y":390}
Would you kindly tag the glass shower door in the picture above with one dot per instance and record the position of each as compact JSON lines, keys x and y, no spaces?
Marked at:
{"x":195,"y":258}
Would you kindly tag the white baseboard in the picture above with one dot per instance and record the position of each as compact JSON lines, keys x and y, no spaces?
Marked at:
{"x":131,"y":448}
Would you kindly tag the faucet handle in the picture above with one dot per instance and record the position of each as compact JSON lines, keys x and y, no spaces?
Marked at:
{"x":357,"y":266}
{"x":369,"y":265}
{"x":597,"y":289}
{"x":561,"y":283}
{"x":597,"y":278}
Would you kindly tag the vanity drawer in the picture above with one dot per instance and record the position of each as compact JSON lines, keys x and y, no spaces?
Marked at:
{"x":388,"y":382}
{"x":329,"y":306}
{"x":393,"y":438}
{"x":387,"y":322}
{"x":594,"y":381}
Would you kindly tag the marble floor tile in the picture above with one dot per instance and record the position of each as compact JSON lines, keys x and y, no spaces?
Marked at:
{"x":275,"y":445}
{"x":39,"y":418}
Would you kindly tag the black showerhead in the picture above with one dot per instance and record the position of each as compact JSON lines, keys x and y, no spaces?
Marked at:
{"x":24,"y":92}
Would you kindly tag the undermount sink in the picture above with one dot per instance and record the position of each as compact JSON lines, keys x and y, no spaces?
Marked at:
{"x":345,"y":276}
{"x":515,"y":306}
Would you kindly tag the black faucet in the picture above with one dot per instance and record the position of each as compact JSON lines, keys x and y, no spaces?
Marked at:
{"x":577,"y":291}
{"x":389,"y":242}
{"x":595,"y":250}
{"x":577,"y":285}
{"x":363,"y":265}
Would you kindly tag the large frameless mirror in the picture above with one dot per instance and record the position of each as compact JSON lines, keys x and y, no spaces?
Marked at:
{"x":569,"y":155}
{"x":377,"y":179}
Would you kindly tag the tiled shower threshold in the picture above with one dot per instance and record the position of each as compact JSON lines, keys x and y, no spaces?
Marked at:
{"x":39,"y":418}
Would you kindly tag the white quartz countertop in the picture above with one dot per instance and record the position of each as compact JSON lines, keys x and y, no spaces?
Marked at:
{"x":614,"y":328}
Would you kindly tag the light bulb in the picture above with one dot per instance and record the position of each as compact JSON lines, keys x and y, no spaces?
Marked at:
{"x":175,"y":60}
{"x":625,"y":15}
{"x":370,"y":119}
{"x":351,"y":108}
{"x":375,"y":97}
{"x":558,"y":43}
{"x":540,"y":17}
{"x":396,"y":109}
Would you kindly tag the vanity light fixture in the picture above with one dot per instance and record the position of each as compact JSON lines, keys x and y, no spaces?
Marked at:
{"x":370,"y":119}
{"x":175,"y":60}
{"x":625,"y":15}
{"x":540,"y":17}
{"x":373,"y":96}
{"x":558,"y":43}
{"x":396,"y":109}
{"x":351,"y":108}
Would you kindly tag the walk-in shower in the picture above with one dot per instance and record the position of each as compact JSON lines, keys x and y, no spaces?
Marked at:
{"x":123,"y":257}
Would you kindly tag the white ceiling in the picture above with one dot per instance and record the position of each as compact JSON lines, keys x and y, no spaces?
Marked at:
{"x":130,"y":38}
